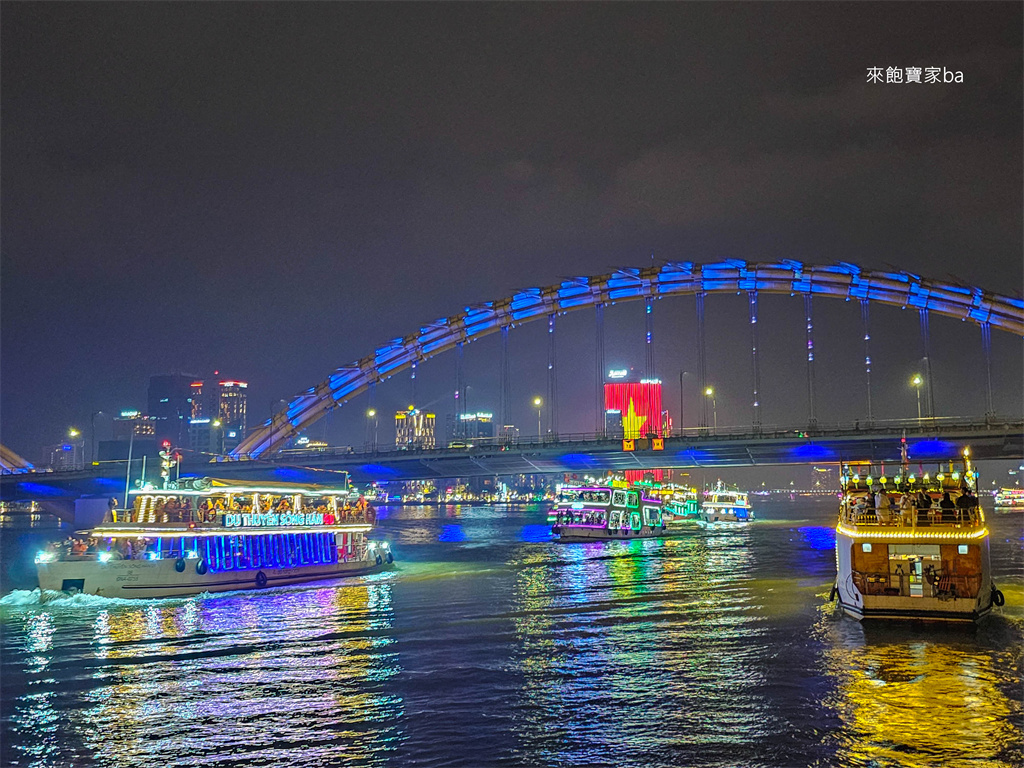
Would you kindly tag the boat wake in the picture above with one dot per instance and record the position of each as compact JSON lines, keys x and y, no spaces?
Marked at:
{"x":32,"y":597}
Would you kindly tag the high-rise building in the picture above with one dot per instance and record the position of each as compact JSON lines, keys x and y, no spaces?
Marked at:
{"x":206,"y":436}
{"x":133,"y":424}
{"x":169,"y":402}
{"x":66,"y":456}
{"x":470,"y":427}
{"x":231,"y":411}
{"x":633,"y":408}
{"x":414,"y":429}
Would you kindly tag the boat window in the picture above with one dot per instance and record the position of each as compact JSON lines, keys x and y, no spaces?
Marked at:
{"x":619,"y":498}
{"x":632,"y":499}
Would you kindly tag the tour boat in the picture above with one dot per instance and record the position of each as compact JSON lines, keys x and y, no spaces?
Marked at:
{"x":595,"y":513}
{"x":925,"y":555}
{"x":1009,"y":497}
{"x":207,"y":535}
{"x":725,"y":505}
{"x":681,"y":506}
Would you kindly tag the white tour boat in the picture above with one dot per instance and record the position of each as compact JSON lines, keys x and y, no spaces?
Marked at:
{"x":913,"y":546}
{"x":588,"y":513}
{"x":726,"y":505}
{"x":209,"y":535}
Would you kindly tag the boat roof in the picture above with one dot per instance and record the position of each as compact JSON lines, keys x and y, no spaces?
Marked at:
{"x":213,"y":486}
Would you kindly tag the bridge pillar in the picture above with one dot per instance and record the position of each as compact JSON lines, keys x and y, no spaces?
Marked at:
{"x":506,"y":381}
{"x":552,"y":381}
{"x":599,"y":362}
{"x":460,"y":392}
{"x":702,"y":365}
{"x":649,"y":319}
{"x":986,"y":344}
{"x":752,"y":295}
{"x":812,"y":418}
{"x":865,"y":320}
{"x":926,"y":353}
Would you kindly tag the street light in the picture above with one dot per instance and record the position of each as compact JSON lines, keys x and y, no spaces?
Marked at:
{"x":372,"y":414}
{"x":710,"y":392}
{"x":916,"y":383}
{"x":538,"y":403}
{"x":72,"y":432}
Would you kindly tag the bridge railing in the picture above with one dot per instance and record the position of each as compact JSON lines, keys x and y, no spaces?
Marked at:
{"x":923,"y":426}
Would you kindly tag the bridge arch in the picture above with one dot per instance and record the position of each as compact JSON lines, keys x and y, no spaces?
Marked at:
{"x":841,"y":281}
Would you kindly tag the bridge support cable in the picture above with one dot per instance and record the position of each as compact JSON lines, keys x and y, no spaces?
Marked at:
{"x":460,"y":392}
{"x":649,"y":346}
{"x":986,"y":345}
{"x":926,"y":355}
{"x":865,"y":319}
{"x":599,"y":368}
{"x":702,"y":365}
{"x":552,"y":381}
{"x":506,"y":382}
{"x":412,"y":382}
{"x":812,"y":419}
{"x":755,"y":361}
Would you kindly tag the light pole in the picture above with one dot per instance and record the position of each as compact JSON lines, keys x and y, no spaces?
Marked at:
{"x":916,"y":383}
{"x":710,"y":392}
{"x":538,"y":403}
{"x":92,"y":446}
{"x":372,"y":414}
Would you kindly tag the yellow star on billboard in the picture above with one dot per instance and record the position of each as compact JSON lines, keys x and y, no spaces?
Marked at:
{"x":632,"y":422}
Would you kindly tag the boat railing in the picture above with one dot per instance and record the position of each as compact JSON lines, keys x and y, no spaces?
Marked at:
{"x":214,"y":517}
{"x":914,"y":517}
{"x":936,"y":584}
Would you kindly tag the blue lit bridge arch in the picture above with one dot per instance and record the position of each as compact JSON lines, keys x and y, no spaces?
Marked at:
{"x":840,"y":281}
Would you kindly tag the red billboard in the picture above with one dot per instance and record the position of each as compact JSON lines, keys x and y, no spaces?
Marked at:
{"x":639,"y":404}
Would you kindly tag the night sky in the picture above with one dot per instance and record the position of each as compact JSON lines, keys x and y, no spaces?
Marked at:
{"x":273,"y":190}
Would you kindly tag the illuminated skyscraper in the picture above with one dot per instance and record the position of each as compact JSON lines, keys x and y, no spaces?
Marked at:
{"x":231,"y":410}
{"x":414,"y":429}
{"x":169,"y":402}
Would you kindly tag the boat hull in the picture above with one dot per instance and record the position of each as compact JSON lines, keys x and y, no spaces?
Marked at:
{"x":948,"y":607}
{"x":587,"y":533}
{"x":160,"y":578}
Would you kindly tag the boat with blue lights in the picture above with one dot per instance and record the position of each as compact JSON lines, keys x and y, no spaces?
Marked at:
{"x":722,"y":504}
{"x":209,"y":535}
{"x":913,"y":544}
{"x":602,"y":512}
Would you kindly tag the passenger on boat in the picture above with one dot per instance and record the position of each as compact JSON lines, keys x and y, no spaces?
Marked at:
{"x":906,"y":509}
{"x":882,"y":508}
{"x":947,"y":508}
{"x":964,"y":504}
{"x":79,"y":548}
{"x":126,"y":549}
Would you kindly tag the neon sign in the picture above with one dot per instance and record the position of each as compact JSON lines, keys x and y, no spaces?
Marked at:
{"x":271,"y":519}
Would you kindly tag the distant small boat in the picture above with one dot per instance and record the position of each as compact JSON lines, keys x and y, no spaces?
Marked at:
{"x":1009,"y":497}
{"x":726,"y":505}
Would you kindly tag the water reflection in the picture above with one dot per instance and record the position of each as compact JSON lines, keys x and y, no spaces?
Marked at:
{"x":924,"y":696}
{"x":621,"y":645}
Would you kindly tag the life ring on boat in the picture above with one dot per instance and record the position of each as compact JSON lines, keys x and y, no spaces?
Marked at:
{"x":261,"y":579}
{"x":379,"y":559}
{"x":997,"y":597}
{"x":201,"y":567}
{"x":179,"y":565}
{"x":390,"y":558}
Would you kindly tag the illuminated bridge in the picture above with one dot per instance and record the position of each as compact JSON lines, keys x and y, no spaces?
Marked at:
{"x":930,"y":436}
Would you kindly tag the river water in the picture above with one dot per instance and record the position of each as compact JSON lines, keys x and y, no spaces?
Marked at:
{"x":490,"y":644}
